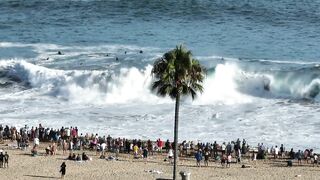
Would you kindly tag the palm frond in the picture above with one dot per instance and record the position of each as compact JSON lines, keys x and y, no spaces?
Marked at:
{"x":177,"y":72}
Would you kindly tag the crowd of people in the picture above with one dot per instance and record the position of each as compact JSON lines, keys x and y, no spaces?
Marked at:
{"x":68,"y":139}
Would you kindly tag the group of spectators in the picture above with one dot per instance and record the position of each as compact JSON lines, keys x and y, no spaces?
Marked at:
{"x":69,"y":139}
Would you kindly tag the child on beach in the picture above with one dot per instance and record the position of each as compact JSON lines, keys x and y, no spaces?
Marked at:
{"x":63,"y":169}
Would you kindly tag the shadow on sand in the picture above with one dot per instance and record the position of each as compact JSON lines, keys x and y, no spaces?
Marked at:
{"x":48,"y":177}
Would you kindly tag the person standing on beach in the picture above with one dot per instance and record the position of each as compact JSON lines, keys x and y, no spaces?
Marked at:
{"x":299,"y":155}
{"x":315,"y":160}
{"x":276,"y":152}
{"x":145,"y":153}
{"x":229,"y":158}
{"x":170,"y":155}
{"x":1,"y":159}
{"x":6,"y":160}
{"x":206,"y":157}
{"x":63,"y":169}
{"x":198,"y":157}
{"x":282,"y":149}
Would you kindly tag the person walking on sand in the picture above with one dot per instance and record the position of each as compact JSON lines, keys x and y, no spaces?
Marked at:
{"x":63,"y":169}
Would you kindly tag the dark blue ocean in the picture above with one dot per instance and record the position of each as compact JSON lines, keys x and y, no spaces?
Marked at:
{"x":275,"y":30}
{"x":263,"y":61}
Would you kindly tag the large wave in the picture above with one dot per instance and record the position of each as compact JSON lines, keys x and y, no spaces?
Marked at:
{"x":226,"y":84}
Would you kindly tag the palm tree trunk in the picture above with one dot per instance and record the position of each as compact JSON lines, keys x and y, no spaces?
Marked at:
{"x":176,"y":123}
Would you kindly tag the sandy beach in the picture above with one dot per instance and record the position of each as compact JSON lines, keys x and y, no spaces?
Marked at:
{"x":23,"y":166}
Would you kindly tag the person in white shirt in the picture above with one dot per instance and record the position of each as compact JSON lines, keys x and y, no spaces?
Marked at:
{"x":223,"y":147}
{"x":103,"y":148}
{"x":276,"y":152}
{"x":170,"y":155}
{"x":36,"y":141}
{"x":68,"y":132}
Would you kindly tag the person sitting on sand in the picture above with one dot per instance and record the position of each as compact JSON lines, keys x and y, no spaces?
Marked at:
{"x":70,"y":156}
{"x":48,"y":150}
{"x":85,"y":157}
{"x":78,"y":158}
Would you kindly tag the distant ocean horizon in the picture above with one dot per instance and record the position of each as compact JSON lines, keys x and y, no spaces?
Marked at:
{"x":263,"y":61}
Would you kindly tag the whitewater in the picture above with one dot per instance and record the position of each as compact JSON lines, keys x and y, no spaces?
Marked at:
{"x":262,"y":61}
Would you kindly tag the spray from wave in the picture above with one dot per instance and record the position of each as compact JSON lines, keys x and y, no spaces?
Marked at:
{"x":226,"y":84}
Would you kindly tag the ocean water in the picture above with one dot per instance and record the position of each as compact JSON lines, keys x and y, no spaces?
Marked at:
{"x":262,"y":58}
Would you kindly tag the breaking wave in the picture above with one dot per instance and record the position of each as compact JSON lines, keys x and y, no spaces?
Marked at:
{"x":226,"y":84}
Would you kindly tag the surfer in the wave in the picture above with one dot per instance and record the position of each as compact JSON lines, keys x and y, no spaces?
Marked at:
{"x":59,"y":53}
{"x":266,"y":87}
{"x":266,"y":84}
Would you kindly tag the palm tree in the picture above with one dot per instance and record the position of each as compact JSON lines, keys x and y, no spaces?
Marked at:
{"x":177,"y":74}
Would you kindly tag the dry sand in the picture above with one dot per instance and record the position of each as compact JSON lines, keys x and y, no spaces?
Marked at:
{"x":23,"y":166}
